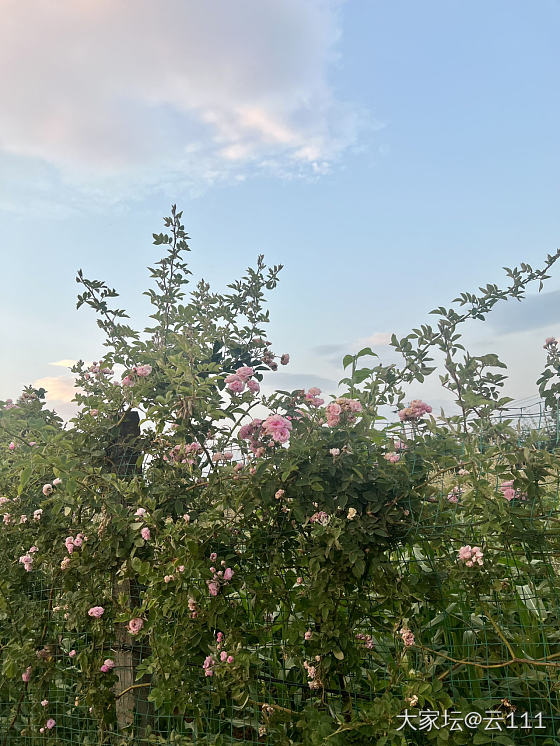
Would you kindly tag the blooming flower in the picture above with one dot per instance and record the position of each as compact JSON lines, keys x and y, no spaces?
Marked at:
{"x":72,"y":654}
{"x":352,"y":513}
{"x":279,"y":494}
{"x":253,"y":386}
{"x":26,"y":675}
{"x":277,"y":427}
{"x":135,"y":625}
{"x":143,"y":370}
{"x":245,"y":372}
{"x":471,"y":555}
{"x":96,"y":611}
{"x":145,"y":533}
{"x":414,"y":411}
{"x":50,"y":723}
{"x":392,"y":458}
{"x":407,"y":636}
{"x":57,"y":481}
{"x":47,"y":489}
{"x":44,"y":702}
{"x":308,"y":635}
{"x":320,"y":517}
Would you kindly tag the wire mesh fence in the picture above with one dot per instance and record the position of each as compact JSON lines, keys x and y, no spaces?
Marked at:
{"x":494,"y":649}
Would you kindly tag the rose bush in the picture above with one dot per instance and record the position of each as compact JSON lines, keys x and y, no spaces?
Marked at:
{"x":189,"y":561}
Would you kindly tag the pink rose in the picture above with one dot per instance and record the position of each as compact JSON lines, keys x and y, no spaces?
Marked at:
{"x":72,"y":654}
{"x":145,"y":533}
{"x":47,"y":489}
{"x":143,"y":370}
{"x":244,"y":372}
{"x":253,"y":386}
{"x":135,"y":625}
{"x":50,"y":723}
{"x":26,"y":675}
{"x":57,"y":481}
{"x":96,"y":611}
{"x":236,"y":386}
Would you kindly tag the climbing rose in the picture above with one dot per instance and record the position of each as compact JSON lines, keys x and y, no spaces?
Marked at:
{"x":96,"y":611}
{"x":145,"y":533}
{"x":235,"y":384}
{"x":244,"y":372}
{"x":26,"y":675}
{"x":47,"y":489}
{"x":471,"y":555}
{"x":135,"y":625}
{"x":414,"y":411}
{"x":277,"y":427}
{"x":50,"y":723}
{"x":253,"y":386}
{"x":143,"y":370}
{"x":407,"y":637}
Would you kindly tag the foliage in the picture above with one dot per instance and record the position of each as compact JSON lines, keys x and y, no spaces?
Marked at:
{"x":300,"y":577}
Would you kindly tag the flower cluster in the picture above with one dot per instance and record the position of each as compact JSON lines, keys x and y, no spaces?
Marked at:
{"x":392,"y":458}
{"x":138,"y":371}
{"x":550,"y":343}
{"x":506,"y":488}
{"x":366,"y":639}
{"x":96,"y":369}
{"x":454,"y":495}
{"x":219,"y":577}
{"x":321,"y":517}
{"x":49,"y":725}
{"x":314,"y":680}
{"x":414,"y":411}
{"x":471,"y":556}
{"x":210,"y":663}
{"x":407,"y":637}
{"x":312,"y":397}
{"x":70,"y":542}
{"x":107,"y":666}
{"x":27,"y":559}
{"x":192,"y":608}
{"x":342,"y":406}
{"x":261,"y":433}
{"x":236,"y":382}
{"x":184,"y":453}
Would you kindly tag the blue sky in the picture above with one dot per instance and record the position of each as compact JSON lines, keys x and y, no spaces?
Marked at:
{"x":389,"y":154}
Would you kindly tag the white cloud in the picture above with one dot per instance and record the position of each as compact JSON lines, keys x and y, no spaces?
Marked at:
{"x":66,"y":363}
{"x":110,"y":91}
{"x":58,"y":388}
{"x":376,"y":340}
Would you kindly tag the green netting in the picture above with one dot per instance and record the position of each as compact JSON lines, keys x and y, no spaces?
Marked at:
{"x":489,"y":650}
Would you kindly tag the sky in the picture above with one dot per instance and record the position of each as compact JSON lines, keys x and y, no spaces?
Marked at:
{"x":389,"y":154}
